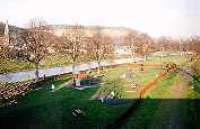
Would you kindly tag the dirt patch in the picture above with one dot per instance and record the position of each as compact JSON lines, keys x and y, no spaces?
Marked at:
{"x":148,"y":87}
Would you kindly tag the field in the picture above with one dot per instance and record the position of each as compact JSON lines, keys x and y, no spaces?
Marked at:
{"x":14,"y":65}
{"x":171,"y":103}
{"x":41,"y":107}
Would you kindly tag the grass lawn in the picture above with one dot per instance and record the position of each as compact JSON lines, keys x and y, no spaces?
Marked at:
{"x":43,"y":109}
{"x":162,"y":107}
{"x":173,"y":59}
{"x":113,"y":80}
{"x":14,"y":65}
{"x":53,"y":61}
{"x":172,"y":104}
{"x":145,"y":115}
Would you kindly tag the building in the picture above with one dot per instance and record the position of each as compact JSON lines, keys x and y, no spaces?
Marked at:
{"x":4,"y":37}
{"x":122,"y":50}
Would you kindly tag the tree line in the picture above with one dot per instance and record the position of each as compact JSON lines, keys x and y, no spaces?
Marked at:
{"x":37,"y":42}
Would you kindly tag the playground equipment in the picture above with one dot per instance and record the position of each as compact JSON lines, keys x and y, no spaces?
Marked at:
{"x":83,"y":79}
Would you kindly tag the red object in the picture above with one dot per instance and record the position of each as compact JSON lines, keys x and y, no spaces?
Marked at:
{"x":80,"y":76}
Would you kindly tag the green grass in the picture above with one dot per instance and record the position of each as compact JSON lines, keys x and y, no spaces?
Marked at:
{"x":53,"y":61}
{"x":162,"y":88}
{"x":193,"y":108}
{"x":113,"y":80}
{"x":144,"y":77}
{"x":145,"y":116}
{"x":43,"y":109}
{"x":13,"y":65}
{"x":163,"y":109}
{"x":174,"y":59}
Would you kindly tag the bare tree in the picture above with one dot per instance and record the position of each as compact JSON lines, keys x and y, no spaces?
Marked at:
{"x":165,"y":43}
{"x":36,"y":42}
{"x":99,"y":47}
{"x":194,"y":43}
{"x":144,"y":45}
{"x":4,"y":53}
{"x":131,"y":40}
{"x":72,"y":45}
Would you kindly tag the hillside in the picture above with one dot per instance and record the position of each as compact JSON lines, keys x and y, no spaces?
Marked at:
{"x":89,"y":30}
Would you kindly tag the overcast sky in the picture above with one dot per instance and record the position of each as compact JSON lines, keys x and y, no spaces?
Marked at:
{"x":156,"y":17}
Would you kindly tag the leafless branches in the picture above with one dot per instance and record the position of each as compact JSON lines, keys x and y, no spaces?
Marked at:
{"x":36,"y":42}
{"x":99,"y":46}
{"x":72,"y":45}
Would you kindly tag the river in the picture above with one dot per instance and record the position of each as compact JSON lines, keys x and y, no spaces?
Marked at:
{"x":29,"y":75}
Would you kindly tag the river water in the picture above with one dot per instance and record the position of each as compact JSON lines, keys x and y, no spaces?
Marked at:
{"x":29,"y":75}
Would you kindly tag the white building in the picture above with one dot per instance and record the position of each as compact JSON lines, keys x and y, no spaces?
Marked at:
{"x":5,"y":37}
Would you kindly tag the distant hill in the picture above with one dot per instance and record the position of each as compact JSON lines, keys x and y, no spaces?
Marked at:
{"x":89,"y":30}
{"x":117,"y":33}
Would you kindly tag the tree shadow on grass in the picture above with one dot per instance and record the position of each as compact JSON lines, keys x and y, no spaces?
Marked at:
{"x":196,"y":83}
{"x":160,"y":114}
{"x":144,"y":114}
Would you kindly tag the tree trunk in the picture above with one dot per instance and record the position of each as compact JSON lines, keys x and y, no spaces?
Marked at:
{"x":98,"y":67}
{"x":73,"y":68}
{"x":146,"y":57}
{"x":132,"y":55}
{"x":36,"y":72}
{"x":90,"y":67}
{"x":73,"y":74}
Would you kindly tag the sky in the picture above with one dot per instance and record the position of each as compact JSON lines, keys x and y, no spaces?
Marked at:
{"x":155,"y":17}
